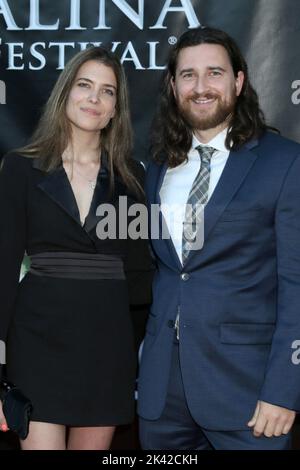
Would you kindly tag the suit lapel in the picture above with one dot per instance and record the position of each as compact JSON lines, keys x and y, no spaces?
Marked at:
{"x":56,"y":185}
{"x":160,"y":179}
{"x":100,"y":196}
{"x":167,"y":245}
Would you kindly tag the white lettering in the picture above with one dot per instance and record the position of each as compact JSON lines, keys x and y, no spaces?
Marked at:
{"x":8,"y":17}
{"x":20,"y":56}
{"x":61,"y":52}
{"x":12,"y":55}
{"x":132,"y":57}
{"x":101,"y":24}
{"x":2,"y":101}
{"x":37,"y":55}
{"x":135,"y":17}
{"x":296,"y":95}
{"x":106,"y":227}
{"x":2,"y":352}
{"x":186,"y":8}
{"x":84,"y":45}
{"x":138,"y":227}
{"x":75,"y":16}
{"x":296,"y":353}
{"x":123,"y":208}
{"x":34,"y":22}
{"x":115,"y":44}
{"x":152,"y":57}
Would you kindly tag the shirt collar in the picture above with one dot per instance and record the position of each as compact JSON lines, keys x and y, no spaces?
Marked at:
{"x":218,"y":142}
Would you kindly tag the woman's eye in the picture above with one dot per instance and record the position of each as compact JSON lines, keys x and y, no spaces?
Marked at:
{"x":109,"y":92}
{"x":83,"y":84}
{"x":187,"y":76}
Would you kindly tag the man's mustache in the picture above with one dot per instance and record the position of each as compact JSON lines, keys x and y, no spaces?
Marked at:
{"x":203,"y":96}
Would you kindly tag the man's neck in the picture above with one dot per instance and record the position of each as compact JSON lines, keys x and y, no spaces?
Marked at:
{"x":206,"y":136}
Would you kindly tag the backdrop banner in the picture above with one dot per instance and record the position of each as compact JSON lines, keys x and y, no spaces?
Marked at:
{"x":37,"y":37}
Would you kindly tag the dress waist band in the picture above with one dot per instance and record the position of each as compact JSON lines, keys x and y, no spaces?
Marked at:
{"x":77,"y":265}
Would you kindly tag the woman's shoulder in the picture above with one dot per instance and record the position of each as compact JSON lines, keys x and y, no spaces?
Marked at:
{"x":16,"y":159}
{"x":15,"y":163}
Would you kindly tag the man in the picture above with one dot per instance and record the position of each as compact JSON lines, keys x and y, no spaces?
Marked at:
{"x":217,"y":367}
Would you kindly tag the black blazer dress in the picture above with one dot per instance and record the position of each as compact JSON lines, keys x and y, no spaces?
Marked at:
{"x":69,"y":342}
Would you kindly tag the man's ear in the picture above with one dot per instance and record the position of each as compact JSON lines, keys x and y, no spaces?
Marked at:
{"x":172,"y":81}
{"x":239,"y":81}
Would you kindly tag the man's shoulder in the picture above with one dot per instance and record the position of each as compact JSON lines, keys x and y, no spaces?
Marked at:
{"x":276,"y":142}
{"x":154,"y":165}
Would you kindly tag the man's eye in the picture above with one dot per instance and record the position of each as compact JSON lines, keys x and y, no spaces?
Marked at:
{"x":215,"y":73}
{"x":186,"y":76}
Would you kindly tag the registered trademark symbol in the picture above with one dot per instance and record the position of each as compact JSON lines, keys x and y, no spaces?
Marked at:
{"x":172,"y":40}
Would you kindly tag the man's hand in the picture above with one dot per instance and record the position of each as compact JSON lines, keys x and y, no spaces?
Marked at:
{"x":271,"y":420}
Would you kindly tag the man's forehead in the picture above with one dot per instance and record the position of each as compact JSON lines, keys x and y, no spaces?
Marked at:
{"x":212,"y":54}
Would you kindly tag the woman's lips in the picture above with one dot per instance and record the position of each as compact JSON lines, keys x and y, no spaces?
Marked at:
{"x":90,"y":111}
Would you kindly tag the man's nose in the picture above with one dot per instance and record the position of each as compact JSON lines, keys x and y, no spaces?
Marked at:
{"x":200,"y":84}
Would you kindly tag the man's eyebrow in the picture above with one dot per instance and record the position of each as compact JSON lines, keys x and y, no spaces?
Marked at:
{"x":216,"y":67}
{"x":186,"y":71}
{"x":210,"y":67}
{"x":91,"y":81}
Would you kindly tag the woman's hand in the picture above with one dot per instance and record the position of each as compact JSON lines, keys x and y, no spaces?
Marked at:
{"x":3,"y":423}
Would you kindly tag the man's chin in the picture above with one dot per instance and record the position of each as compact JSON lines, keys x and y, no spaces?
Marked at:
{"x":206,"y":122}
{"x":203,"y":124}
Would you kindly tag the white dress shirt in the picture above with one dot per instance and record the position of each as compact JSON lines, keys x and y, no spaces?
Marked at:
{"x":178,"y":182}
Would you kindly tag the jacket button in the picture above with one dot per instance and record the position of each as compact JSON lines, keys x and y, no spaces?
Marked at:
{"x":185,"y":276}
{"x":170,"y":323}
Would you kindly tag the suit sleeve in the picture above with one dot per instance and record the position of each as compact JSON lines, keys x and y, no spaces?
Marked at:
{"x":139,"y":266}
{"x":282,"y":379}
{"x":12,"y":236}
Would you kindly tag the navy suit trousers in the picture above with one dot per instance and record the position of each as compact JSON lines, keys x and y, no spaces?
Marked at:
{"x":177,"y":430}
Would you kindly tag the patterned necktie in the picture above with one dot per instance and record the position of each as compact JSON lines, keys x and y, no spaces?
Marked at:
{"x":196,"y":200}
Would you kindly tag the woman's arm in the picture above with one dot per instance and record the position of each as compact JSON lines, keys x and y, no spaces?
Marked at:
{"x":12,"y":234}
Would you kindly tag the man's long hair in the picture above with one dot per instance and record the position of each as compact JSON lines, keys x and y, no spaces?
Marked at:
{"x":172,"y":135}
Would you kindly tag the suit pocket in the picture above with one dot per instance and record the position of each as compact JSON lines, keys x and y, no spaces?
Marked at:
{"x":241,"y":216}
{"x":246,"y":333}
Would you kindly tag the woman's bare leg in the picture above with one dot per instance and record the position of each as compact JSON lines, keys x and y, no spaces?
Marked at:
{"x":90,"y":438}
{"x":45,"y":436}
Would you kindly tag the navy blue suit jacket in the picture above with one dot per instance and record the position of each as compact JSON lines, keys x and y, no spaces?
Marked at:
{"x":240,"y":300}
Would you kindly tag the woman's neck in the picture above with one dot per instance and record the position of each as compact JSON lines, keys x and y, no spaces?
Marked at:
{"x":84,"y":148}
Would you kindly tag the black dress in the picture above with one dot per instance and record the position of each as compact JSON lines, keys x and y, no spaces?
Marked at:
{"x":70,"y":345}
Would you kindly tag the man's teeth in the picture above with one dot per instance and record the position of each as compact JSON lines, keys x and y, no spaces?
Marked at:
{"x":203,"y":101}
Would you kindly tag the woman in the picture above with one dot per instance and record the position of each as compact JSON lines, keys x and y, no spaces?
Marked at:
{"x":70,"y":346}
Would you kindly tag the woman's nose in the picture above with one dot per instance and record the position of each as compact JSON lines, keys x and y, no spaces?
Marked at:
{"x":94,"y":96}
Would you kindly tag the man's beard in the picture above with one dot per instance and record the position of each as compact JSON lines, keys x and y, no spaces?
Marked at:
{"x":208,"y":119}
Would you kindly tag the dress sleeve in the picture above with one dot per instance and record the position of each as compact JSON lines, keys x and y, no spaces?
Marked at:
{"x":139,"y":270}
{"x":12,"y":236}
{"x":139,"y":264}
